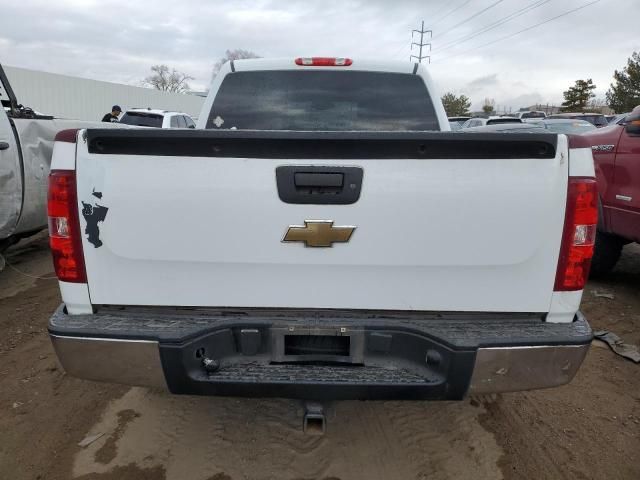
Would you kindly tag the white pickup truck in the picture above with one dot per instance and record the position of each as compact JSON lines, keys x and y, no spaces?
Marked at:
{"x":321,"y":236}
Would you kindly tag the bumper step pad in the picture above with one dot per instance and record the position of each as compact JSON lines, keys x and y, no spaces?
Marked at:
{"x":329,"y":374}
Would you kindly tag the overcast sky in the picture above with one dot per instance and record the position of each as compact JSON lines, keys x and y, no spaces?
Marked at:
{"x":119,"y":40}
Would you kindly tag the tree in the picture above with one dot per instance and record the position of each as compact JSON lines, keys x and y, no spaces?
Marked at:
{"x":596,"y":105}
{"x":456,"y":106}
{"x":624,"y":93}
{"x":236,"y":54}
{"x":578,"y":96}
{"x":168,"y":80}
{"x":489,"y":104}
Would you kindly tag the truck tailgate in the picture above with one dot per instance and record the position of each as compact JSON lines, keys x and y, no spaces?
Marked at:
{"x":444,"y":221}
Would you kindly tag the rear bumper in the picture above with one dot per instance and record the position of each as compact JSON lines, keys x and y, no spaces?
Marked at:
{"x":387,"y":355}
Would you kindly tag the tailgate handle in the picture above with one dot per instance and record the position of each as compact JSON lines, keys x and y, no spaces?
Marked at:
{"x":310,"y":179}
{"x":319,"y":185}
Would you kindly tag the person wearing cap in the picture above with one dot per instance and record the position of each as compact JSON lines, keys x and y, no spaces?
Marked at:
{"x":113,"y":116}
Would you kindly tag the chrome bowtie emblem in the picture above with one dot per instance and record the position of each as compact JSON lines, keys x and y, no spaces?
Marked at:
{"x":318,"y":233}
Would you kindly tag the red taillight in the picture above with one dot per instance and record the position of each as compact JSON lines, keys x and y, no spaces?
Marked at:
{"x":64,"y":227}
{"x":579,"y":235}
{"x":68,"y":136}
{"x":324,"y":61}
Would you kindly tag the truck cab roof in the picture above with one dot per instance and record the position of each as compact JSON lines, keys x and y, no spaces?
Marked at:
{"x":289,"y":63}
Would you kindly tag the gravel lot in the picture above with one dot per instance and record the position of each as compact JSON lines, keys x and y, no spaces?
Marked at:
{"x":588,"y":429}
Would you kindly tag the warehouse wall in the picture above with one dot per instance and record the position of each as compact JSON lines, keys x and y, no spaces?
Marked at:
{"x":84,"y":99}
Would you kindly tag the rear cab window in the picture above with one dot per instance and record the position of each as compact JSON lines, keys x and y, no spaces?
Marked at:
{"x":142,"y":119}
{"x":323,"y":100}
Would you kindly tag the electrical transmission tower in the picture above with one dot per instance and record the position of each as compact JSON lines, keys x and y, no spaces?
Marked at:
{"x":421,"y":44}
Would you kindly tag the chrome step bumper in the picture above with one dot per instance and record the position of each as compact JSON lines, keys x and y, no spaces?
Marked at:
{"x":391,"y":356}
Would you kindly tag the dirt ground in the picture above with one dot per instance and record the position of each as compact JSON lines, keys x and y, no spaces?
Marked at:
{"x":589,"y":429}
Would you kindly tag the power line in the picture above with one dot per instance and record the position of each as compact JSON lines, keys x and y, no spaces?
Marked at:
{"x":523,"y":30}
{"x":471,"y":17}
{"x":503,"y":20}
{"x":487,"y":28}
{"x":448,"y":14}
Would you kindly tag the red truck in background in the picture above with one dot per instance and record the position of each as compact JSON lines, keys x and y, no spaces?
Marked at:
{"x":616,"y":152}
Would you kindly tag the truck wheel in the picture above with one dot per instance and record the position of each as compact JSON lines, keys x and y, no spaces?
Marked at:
{"x":607,"y":252}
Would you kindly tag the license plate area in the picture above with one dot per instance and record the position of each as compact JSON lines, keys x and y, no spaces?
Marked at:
{"x":315,"y":345}
{"x":334,"y":345}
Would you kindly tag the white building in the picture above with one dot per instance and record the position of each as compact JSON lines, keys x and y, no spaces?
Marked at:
{"x":83,"y":99}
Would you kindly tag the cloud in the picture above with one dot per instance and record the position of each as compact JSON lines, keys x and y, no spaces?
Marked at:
{"x":484,"y":81}
{"x":525,"y":100}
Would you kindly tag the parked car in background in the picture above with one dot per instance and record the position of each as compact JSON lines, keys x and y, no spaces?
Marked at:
{"x":456,"y":122}
{"x":529,"y":114}
{"x":617,"y":118}
{"x":494,"y":120}
{"x":616,"y":151}
{"x":26,"y":146}
{"x":524,"y":127}
{"x":598,"y":119}
{"x":558,"y":125}
{"x":564,"y":125}
{"x":149,"y":117}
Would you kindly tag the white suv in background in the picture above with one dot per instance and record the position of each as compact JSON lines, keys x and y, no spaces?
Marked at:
{"x":148,"y":117}
{"x":530,"y":115}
